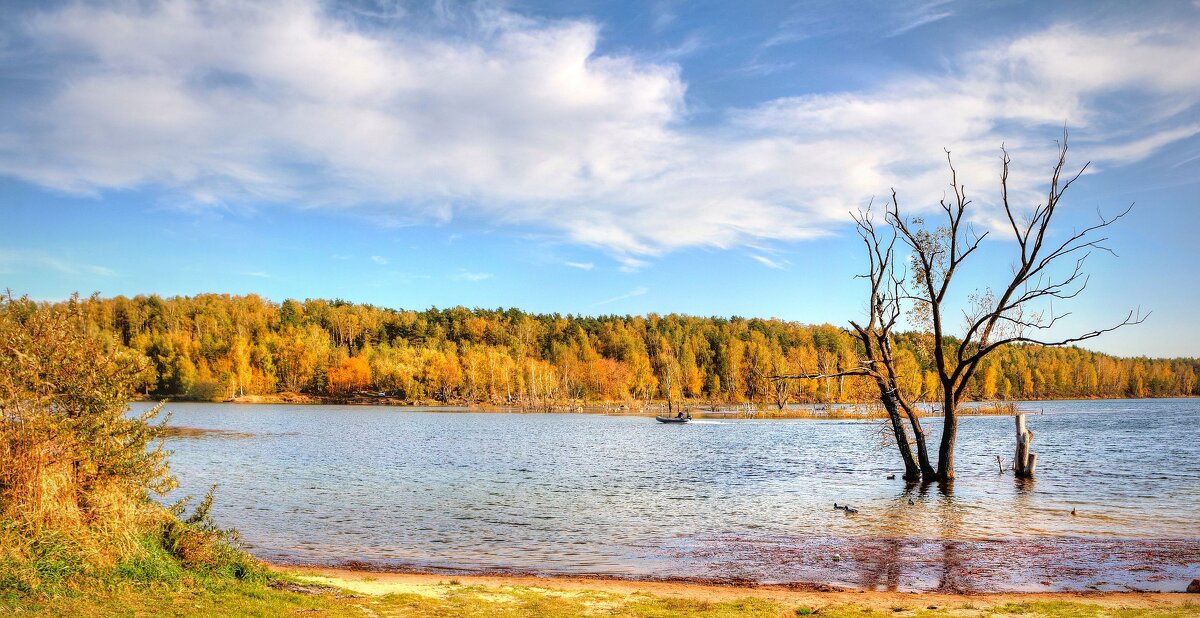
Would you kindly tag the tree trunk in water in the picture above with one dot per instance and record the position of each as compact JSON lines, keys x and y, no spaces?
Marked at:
{"x":1024,"y":462}
{"x":911,"y":471}
{"x":945,"y":470}
{"x":927,"y":470}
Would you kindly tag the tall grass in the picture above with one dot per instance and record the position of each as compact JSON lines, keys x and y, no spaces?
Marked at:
{"x":78,"y":473}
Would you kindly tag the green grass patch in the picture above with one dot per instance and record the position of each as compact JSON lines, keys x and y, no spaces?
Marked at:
{"x":200,"y":598}
{"x":151,"y":563}
{"x":1064,"y":609}
{"x":527,"y":602}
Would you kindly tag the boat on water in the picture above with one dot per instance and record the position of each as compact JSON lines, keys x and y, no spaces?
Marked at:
{"x":673,"y":419}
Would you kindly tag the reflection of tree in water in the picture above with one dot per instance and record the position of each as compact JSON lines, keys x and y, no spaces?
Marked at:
{"x":1024,"y":491}
{"x":879,"y":563}
{"x":900,"y":555}
{"x":883,"y":562}
{"x":955,"y":577}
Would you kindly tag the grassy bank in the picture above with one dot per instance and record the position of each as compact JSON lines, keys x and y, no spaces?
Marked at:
{"x":157,"y":558}
{"x":195,"y":597}
{"x":81,"y":531}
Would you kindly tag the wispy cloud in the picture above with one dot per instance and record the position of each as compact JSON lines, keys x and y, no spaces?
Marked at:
{"x":379,"y":259}
{"x":204,"y":101}
{"x":770,"y":263}
{"x":580,"y":265}
{"x":1185,"y":160}
{"x":639,"y":291}
{"x":922,"y":13}
{"x":629,"y":264}
{"x":471,"y":276}
{"x":783,"y":37}
{"x":664,"y":14}
{"x":256,"y":273}
{"x":760,"y":68}
{"x":13,"y":260}
{"x":691,"y":44}
{"x":828,"y":18}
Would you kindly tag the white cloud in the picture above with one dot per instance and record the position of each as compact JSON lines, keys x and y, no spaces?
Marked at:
{"x":888,"y":18}
{"x":770,"y":263}
{"x":1139,"y":149}
{"x":472,"y":276}
{"x":664,"y":15}
{"x":256,"y":273}
{"x":15,"y":260}
{"x":522,"y":122}
{"x":639,"y":291}
{"x":580,"y":265}
{"x":379,"y":259}
{"x":922,"y":13}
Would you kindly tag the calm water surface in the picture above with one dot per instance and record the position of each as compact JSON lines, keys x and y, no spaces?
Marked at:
{"x":723,"y":499}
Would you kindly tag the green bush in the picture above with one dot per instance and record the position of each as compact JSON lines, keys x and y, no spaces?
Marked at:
{"x":79,"y":474}
{"x":153,"y":563}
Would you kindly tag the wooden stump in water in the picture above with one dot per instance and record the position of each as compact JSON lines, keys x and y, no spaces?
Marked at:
{"x":1024,"y":463}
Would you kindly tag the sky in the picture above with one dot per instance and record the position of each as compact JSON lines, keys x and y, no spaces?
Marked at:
{"x":589,"y":157}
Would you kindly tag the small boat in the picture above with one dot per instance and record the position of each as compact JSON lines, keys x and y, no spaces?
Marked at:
{"x":673,"y":419}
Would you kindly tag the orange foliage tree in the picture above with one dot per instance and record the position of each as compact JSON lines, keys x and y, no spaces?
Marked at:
{"x":351,"y":375}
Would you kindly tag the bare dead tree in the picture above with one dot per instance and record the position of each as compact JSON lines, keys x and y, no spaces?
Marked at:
{"x":884,"y":311}
{"x":1011,"y":316}
{"x":875,"y":337}
{"x":782,"y":391}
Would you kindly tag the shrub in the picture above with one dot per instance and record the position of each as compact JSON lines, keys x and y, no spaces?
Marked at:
{"x":71,"y":455}
{"x":78,"y":473}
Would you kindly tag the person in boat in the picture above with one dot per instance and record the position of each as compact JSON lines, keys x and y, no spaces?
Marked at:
{"x":680,"y":415}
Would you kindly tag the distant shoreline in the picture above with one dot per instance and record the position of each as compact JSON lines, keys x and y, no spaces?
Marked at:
{"x":705,"y":410}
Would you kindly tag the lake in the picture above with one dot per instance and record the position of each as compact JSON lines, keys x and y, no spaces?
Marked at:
{"x":451,"y":491}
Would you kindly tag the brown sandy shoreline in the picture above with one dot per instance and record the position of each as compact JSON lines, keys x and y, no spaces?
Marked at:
{"x":381,"y":583}
{"x":1089,"y":566}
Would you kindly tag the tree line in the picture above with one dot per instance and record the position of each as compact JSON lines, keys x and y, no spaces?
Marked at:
{"x":217,"y":347}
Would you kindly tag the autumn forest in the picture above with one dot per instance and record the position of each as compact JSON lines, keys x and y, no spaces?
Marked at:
{"x":220,"y":347}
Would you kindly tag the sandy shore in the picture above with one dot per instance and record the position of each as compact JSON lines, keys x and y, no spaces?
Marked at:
{"x":378,"y":584}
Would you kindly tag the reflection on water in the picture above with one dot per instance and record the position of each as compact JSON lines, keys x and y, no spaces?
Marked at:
{"x":958,"y":565}
{"x":736,"y":499}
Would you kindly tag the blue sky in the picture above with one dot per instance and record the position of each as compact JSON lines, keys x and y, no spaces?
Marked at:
{"x":584,"y":157}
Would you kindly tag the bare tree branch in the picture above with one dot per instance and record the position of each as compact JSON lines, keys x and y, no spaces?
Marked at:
{"x":1044,"y":271}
